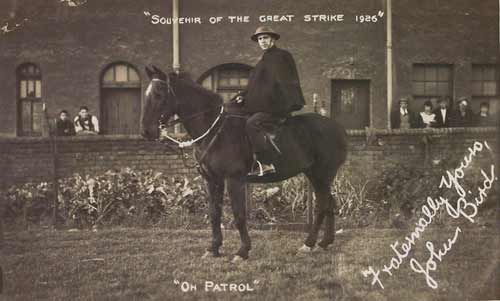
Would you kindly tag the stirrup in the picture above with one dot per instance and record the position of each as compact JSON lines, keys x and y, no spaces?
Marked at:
{"x":261,"y":171}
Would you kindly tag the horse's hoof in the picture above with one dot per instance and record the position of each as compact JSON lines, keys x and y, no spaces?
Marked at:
{"x":324,"y":246}
{"x":237,"y":259}
{"x":305,"y":249}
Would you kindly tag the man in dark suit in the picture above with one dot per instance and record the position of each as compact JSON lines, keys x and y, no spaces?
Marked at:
{"x":443,"y":114}
{"x":273,"y":92}
{"x":402,"y":117}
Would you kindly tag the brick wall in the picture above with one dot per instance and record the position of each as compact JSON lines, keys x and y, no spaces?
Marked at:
{"x":24,"y":159}
{"x":371,"y":154}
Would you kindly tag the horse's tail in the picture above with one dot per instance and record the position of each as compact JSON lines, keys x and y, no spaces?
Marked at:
{"x":342,"y":142}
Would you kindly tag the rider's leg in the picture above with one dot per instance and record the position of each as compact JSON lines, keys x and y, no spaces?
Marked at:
{"x":255,"y":128}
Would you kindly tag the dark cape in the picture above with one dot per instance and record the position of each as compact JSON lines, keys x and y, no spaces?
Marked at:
{"x":274,"y":85}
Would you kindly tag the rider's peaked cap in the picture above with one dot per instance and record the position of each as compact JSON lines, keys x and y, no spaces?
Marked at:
{"x":264,"y":30}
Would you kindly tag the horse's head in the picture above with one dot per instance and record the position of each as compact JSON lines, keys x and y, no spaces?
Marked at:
{"x":160,"y":102}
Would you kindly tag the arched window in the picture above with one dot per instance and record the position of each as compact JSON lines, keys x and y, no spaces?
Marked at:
{"x":120,"y":100}
{"x":30,"y":114}
{"x":226,"y":80}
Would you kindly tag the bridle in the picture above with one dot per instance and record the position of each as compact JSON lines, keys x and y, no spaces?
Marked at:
{"x":181,"y":145}
{"x":184,"y":144}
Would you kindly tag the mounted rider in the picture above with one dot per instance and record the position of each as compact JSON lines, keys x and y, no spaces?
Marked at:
{"x":273,"y":92}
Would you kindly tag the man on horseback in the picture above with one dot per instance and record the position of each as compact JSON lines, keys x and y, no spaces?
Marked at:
{"x":273,"y":92}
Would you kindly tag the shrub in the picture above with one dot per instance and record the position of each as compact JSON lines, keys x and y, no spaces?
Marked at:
{"x":132,"y":198}
{"x":124,"y":197}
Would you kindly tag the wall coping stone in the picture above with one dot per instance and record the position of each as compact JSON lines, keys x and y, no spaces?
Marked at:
{"x":350,"y":133}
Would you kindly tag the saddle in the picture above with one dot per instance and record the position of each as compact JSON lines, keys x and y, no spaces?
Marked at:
{"x":287,"y":139}
{"x":272,"y":135}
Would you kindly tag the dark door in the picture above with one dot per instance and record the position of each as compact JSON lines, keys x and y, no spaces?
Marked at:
{"x":121,"y":110}
{"x":351,"y":103}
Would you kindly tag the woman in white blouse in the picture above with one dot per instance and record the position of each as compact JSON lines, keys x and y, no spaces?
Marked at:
{"x":427,"y":119}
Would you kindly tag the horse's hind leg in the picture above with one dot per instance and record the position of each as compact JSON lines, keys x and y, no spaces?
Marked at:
{"x":216,"y":191}
{"x":236,"y":191}
{"x":321,"y":190}
{"x":324,"y":209}
{"x":329,"y":234}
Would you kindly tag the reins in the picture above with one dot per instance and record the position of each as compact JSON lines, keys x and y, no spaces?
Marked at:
{"x":184,"y":144}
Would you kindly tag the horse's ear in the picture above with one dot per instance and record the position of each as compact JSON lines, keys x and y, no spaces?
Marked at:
{"x":160,"y":73}
{"x":149,"y":72}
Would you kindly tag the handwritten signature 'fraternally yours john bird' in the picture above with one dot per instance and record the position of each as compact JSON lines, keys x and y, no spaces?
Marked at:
{"x":462,"y":208}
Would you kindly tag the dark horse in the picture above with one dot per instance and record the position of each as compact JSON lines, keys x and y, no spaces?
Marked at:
{"x":309,"y":144}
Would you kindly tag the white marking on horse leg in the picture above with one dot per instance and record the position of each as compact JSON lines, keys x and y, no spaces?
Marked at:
{"x":305,"y":249}
{"x":237,"y":259}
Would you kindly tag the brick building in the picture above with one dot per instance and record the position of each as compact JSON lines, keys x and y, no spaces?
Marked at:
{"x":95,"y":53}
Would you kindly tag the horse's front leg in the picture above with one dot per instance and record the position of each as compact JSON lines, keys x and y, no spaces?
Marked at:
{"x":236,"y":191}
{"x":216,"y":193}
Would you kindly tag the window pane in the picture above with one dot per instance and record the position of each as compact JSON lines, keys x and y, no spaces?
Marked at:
{"x":207,"y":83}
{"x":38,"y":89}
{"x":226,"y":96}
{"x":430,"y":73}
{"x":444,"y":73}
{"x":443,"y":89}
{"x":26,"y":116}
{"x":223,"y":82}
{"x":418,"y":73}
{"x":477,"y":88}
{"x":121,"y":73}
{"x":37,"y":116}
{"x":108,"y":76}
{"x":234,"y":82}
{"x":22,"y":91}
{"x":418,"y":88}
{"x":226,"y":73}
{"x":31,"y":88}
{"x":244,"y":82}
{"x":431,"y":88}
{"x":133,"y":76}
{"x":347,"y":101}
{"x":490,"y":88}
{"x":232,"y":94}
{"x":477,"y":73}
{"x":488,"y":73}
{"x":494,"y":106}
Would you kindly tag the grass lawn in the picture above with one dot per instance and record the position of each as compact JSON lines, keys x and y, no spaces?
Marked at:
{"x":129,"y":263}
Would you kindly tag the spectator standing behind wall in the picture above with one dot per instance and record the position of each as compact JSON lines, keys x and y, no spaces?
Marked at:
{"x":64,"y":126}
{"x":426,"y":118}
{"x":463,"y":116}
{"x":484,"y":118}
{"x":402,"y":117}
{"x":85,"y":123}
{"x":443,"y":114}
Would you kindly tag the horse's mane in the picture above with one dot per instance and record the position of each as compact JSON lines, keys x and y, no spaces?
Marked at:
{"x":186,"y":82}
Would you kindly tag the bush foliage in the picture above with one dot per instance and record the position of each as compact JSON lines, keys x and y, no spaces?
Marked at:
{"x":147,"y":198}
